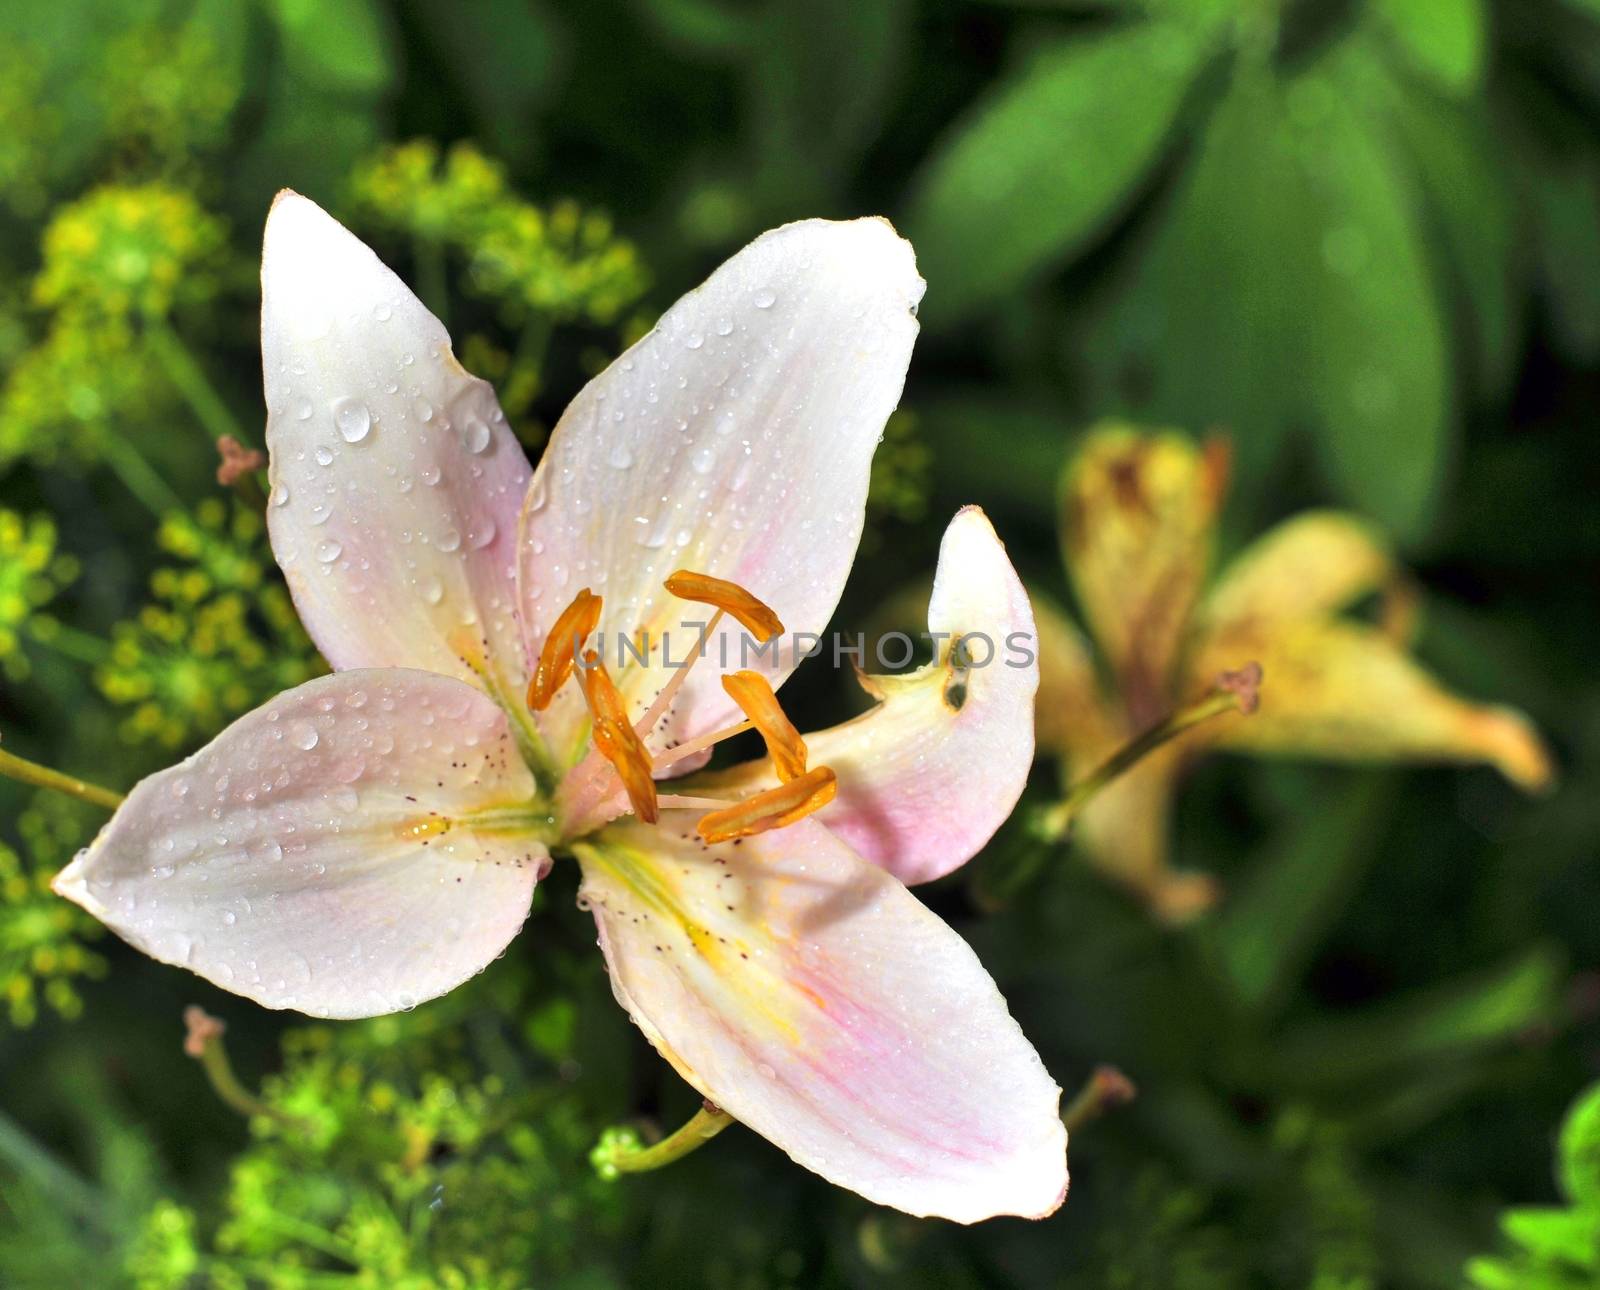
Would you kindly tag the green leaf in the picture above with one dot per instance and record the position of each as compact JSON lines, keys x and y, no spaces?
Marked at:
{"x":1380,"y":365}
{"x":1560,"y":1235}
{"x":1456,"y":1019}
{"x":1443,"y":39}
{"x":1045,"y":160}
{"x":1272,"y":924}
{"x":1580,"y":1149}
{"x":502,"y":55}
{"x":340,"y":45}
{"x":1566,"y":200}
{"x":1469,"y":201}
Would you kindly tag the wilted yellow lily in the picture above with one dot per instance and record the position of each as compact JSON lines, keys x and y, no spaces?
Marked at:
{"x":1138,"y":515}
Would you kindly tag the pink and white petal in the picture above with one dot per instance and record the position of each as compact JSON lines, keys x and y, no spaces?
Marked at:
{"x":396,"y":484}
{"x":815,"y":999}
{"x":929,"y":774}
{"x":350,"y":848}
{"x":736,"y":440}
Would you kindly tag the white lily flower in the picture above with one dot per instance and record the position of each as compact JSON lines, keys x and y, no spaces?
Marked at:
{"x":372,"y":839}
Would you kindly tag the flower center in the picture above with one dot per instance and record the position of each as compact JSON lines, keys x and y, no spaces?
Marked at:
{"x":620,"y":747}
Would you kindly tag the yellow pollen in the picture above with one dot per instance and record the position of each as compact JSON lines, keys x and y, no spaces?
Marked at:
{"x":562,"y":647}
{"x":757,"y":618}
{"x":774,"y":809}
{"x":616,"y":739}
{"x":418,"y":830}
{"x":752,"y":692}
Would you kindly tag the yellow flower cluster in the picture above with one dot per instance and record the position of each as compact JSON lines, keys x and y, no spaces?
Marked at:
{"x":42,"y":955}
{"x":219,"y":637}
{"x":130,"y":249}
{"x":562,"y":261}
{"x":31,"y":572}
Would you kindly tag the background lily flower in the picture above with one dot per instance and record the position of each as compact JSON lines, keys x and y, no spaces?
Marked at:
{"x":373,"y":838}
{"x":1138,"y":515}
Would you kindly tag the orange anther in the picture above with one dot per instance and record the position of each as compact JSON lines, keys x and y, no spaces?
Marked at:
{"x":758,"y":619}
{"x":772,"y":809}
{"x":615,"y":737}
{"x":751,"y":691}
{"x":561,"y":648}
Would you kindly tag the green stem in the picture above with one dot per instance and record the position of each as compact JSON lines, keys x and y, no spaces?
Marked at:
{"x":31,"y":772}
{"x":1234,"y":693}
{"x":432,"y":285}
{"x":1106,"y":1089}
{"x":30,"y":1160}
{"x":620,"y":1153}
{"x":138,"y":476}
{"x":205,"y":1046}
{"x":70,"y":642}
{"x":190,"y":380}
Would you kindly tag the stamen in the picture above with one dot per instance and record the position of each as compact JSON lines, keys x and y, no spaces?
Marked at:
{"x":773,"y":809}
{"x":757,"y":618}
{"x":616,"y":739}
{"x":689,"y":747}
{"x":752,"y":692}
{"x":562,"y":647}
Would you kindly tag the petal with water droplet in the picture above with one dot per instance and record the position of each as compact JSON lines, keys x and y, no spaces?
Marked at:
{"x":753,"y":439}
{"x":376,"y":424}
{"x":332,"y":851}
{"x":815,"y":999}
{"x":928,"y":775}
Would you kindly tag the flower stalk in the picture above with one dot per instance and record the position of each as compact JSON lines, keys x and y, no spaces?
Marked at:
{"x":1237,"y":691}
{"x":619,"y":1150}
{"x":203,"y":1042}
{"x":31,"y":772}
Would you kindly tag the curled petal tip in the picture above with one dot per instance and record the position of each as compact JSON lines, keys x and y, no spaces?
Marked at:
{"x":1513,"y":746}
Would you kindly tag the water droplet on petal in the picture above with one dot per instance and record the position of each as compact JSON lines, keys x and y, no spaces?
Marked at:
{"x":482,"y":535}
{"x":382,"y":312}
{"x":621,"y":456}
{"x":475,"y":434}
{"x":280,"y":494}
{"x":352,"y":418}
{"x":694,"y":340}
{"x":324,"y":456}
{"x":303,"y":735}
{"x":422,"y":408}
{"x":703,"y":460}
{"x":450,"y":540}
{"x":432,"y":591}
{"x":765,"y":298}
{"x":328,"y":551}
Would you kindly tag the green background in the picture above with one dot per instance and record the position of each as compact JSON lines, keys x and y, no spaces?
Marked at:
{"x":1362,"y":236}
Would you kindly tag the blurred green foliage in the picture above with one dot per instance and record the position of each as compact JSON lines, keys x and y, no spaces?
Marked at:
{"x":1362,"y":236}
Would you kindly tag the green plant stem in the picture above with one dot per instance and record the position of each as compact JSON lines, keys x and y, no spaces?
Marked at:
{"x":1104,"y":1090}
{"x":213,"y":1059}
{"x":30,"y":772}
{"x":190,"y":380}
{"x":139,"y":477}
{"x":432,"y":285}
{"x":707,"y":1122}
{"x":1056,"y":823}
{"x":70,"y":642}
{"x":32,"y":1161}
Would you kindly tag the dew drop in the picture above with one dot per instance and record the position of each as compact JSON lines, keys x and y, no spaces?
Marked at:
{"x":303,"y":735}
{"x":328,"y":551}
{"x":422,"y":408}
{"x":475,"y":434}
{"x":450,"y":540}
{"x":324,"y":456}
{"x":724,"y":326}
{"x":382,"y":312}
{"x":482,"y":535}
{"x":765,"y":298}
{"x":303,"y":410}
{"x":352,"y":418}
{"x":621,"y":456}
{"x":703,"y":460}
{"x":432,"y":591}
{"x":280,"y":495}
{"x":694,"y":340}
{"x":430,"y":475}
